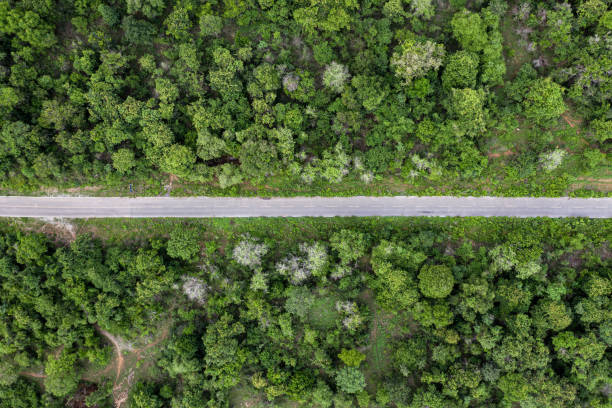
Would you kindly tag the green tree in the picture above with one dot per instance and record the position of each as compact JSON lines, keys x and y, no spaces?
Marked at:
{"x":62,"y":377}
{"x":210,"y":25}
{"x":322,"y":395}
{"x":178,"y":23}
{"x":123,"y":160}
{"x":142,"y":396}
{"x":544,"y":101}
{"x":183,"y":243}
{"x":554,"y":315}
{"x":514,"y":387}
{"x":167,"y":91}
{"x":224,"y":356}
{"x":138,"y":32}
{"x":178,"y":160}
{"x":9,"y":98}
{"x":460,"y":70}
{"x":350,"y":380}
{"x":109,"y":14}
{"x":31,"y":249}
{"x":350,"y":245}
{"x":469,"y":30}
{"x":423,"y":8}
{"x":436,"y":281}
{"x":467,"y":107}
{"x":150,"y":8}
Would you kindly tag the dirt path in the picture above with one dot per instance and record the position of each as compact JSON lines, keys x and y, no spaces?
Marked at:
{"x":168,"y":187}
{"x":118,"y":350}
{"x":33,"y":375}
{"x":506,"y":153}
{"x":155,"y":342}
{"x":120,"y":391}
{"x":121,"y":387}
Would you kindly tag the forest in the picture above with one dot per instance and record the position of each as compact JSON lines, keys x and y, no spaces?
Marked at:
{"x":306,"y":96}
{"x":368,"y":313}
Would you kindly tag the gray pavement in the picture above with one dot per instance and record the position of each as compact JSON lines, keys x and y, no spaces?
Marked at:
{"x":201,"y":207}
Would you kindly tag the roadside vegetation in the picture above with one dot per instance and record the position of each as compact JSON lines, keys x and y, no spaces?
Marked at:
{"x":246,"y":97}
{"x":367,"y":312}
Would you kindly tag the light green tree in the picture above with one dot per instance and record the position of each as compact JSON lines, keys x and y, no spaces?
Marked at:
{"x":461,"y":70}
{"x":469,"y":29}
{"x":62,"y":377}
{"x":436,"y":281}
{"x":544,"y":101}
{"x":350,"y":380}
{"x":183,"y":243}
{"x":123,"y":160}
{"x":467,"y":107}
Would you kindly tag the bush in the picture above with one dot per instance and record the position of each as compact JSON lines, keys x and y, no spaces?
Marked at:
{"x":350,"y":380}
{"x":544,"y":101}
{"x":183,"y":243}
{"x":436,"y":281}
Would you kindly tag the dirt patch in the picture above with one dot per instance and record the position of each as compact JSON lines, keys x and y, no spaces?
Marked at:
{"x":502,"y":154}
{"x":601,"y":180}
{"x":162,"y":336}
{"x":59,"y":228}
{"x":168,"y":187}
{"x":121,"y":391}
{"x":33,"y":374}
{"x":78,"y":399}
{"x":81,"y":189}
{"x":603,"y":185}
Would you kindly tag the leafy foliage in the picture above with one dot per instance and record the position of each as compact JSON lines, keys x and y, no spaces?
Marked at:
{"x":496,"y":311}
{"x":241,"y":96}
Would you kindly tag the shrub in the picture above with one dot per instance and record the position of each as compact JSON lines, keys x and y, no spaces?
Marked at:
{"x":183,"y":243}
{"x":350,"y":380}
{"x":436,"y":281}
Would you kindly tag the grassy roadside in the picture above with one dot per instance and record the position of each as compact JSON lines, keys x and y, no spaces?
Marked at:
{"x":595,"y":183}
{"x":286,"y":232}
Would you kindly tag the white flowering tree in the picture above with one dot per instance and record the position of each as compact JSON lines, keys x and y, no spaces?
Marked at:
{"x":249,"y":252}
{"x":413,"y":59}
{"x":335,"y":76}
{"x":551,"y":160}
{"x":312,"y":260}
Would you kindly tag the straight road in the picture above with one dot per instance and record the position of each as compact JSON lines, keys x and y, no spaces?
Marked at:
{"x":202,"y":207}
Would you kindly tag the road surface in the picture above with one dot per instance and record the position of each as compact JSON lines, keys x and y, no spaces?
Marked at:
{"x":145,"y":207}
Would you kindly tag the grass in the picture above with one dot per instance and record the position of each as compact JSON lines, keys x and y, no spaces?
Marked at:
{"x":384,"y":328}
{"x":323,"y":314}
{"x":246,"y":396}
{"x":493,"y":181}
{"x":287,"y":233}
{"x":515,"y":52}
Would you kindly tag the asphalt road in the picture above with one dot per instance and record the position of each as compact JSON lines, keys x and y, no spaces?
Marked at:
{"x":145,"y":207}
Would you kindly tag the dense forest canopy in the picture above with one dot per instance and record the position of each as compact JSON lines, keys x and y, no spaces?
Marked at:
{"x":407,"y":313}
{"x":235,"y":91}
